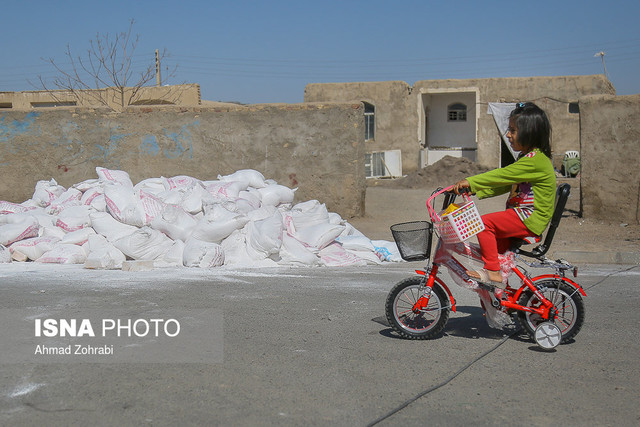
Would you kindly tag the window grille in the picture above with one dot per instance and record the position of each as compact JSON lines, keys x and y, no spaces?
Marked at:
{"x":369,"y":121}
{"x":457,"y":113}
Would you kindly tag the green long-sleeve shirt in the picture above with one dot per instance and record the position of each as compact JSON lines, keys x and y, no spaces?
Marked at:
{"x":532,"y":182}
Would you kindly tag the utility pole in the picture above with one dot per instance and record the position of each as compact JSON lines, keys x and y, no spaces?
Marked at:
{"x":601,"y":55}
{"x":157,"y":69}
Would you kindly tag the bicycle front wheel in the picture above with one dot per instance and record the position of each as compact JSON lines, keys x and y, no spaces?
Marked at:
{"x":425,"y":324}
{"x":567,"y":304}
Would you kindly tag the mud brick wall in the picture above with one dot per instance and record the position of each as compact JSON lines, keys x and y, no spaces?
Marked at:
{"x":316,"y":147}
{"x":610,"y":154}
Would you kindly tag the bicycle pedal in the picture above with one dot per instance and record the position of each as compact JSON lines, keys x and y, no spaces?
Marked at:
{"x":495,"y":302}
{"x":485,"y":286}
{"x":489,"y":287}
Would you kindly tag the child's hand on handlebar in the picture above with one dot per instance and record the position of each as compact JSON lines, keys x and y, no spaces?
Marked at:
{"x":461,"y":186}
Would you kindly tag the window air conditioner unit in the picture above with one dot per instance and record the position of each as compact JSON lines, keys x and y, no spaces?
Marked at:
{"x":383,"y":164}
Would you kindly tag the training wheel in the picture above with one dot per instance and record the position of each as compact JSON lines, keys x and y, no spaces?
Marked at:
{"x":548,"y":335}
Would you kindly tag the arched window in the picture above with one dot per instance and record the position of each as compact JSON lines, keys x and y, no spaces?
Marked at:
{"x":457,"y":112}
{"x":369,"y":121}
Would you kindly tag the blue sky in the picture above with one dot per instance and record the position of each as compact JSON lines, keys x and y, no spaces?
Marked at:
{"x":267,"y":51}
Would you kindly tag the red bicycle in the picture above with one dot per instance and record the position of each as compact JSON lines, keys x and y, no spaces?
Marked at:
{"x":548,"y":307}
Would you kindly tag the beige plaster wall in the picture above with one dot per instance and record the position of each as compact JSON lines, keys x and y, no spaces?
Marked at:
{"x":184,"y":95}
{"x":399,"y":124}
{"x":553,"y":94}
{"x":610,"y":154}
{"x":318,"y":148}
{"x":395,"y":114}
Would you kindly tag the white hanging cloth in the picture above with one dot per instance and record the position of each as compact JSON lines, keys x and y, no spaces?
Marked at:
{"x":500,"y":112}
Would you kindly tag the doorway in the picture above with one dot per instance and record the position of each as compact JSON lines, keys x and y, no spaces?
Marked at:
{"x":449,"y":125}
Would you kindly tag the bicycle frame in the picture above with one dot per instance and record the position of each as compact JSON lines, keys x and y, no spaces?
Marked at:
{"x":444,"y":256}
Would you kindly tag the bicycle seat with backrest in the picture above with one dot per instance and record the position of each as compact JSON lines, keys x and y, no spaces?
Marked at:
{"x":562,"y":195}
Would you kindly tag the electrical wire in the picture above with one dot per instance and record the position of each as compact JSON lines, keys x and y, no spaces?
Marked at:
{"x":472,"y":362}
{"x":577,"y":57}
{"x":611,"y":275}
{"x":445,"y":382}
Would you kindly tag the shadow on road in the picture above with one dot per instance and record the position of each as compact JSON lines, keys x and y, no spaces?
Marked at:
{"x":468,"y":322}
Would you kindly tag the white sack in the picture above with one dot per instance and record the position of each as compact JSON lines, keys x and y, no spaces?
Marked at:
{"x":15,"y":232}
{"x":99,"y":204}
{"x":90,"y":195}
{"x":249,"y":177}
{"x":125,"y":205}
{"x":8,"y":208}
{"x":335,"y":255}
{"x":122,"y":204}
{"x":368,"y":256}
{"x":309,"y":213}
{"x":276,"y":194}
{"x":202,"y":254}
{"x":106,"y":225}
{"x":320,"y":235}
{"x":52,"y":231}
{"x":5,"y":255}
{"x":236,"y":252}
{"x":149,"y":206}
{"x":350,"y":230}
{"x":46,"y":192}
{"x":173,"y":257}
{"x":247,"y":201}
{"x":218,"y":224}
{"x":224,"y":190}
{"x":102,"y":254}
{"x":43,"y":219}
{"x":78,"y":237}
{"x":88,"y":184}
{"x":175,"y":223}
{"x":294,"y":252}
{"x":180,"y":181}
{"x":64,"y":254}
{"x":144,"y":244}
{"x":150,"y":185}
{"x":264,"y":237}
{"x":38,"y":213}
{"x":335,"y":218}
{"x":261,"y":213}
{"x":356,"y":243}
{"x":34,"y":247}
{"x":171,"y":197}
{"x":235,"y":249}
{"x":114,"y":177}
{"x":194,"y":198}
{"x":68,"y":199}
{"x":74,"y":218}
{"x":30,"y":204}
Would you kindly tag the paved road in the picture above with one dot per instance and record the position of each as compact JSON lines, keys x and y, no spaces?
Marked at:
{"x":311,"y":347}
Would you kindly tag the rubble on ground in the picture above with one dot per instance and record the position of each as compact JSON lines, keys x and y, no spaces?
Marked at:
{"x":447,"y":170}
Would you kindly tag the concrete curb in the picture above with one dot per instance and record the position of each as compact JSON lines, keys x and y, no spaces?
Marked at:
{"x":586,"y":257}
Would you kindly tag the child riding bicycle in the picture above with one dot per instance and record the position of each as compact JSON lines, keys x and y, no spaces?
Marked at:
{"x":531,"y":181}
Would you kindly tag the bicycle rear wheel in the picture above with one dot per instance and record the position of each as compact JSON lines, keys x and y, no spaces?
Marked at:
{"x":425,"y":324}
{"x":568,"y":305}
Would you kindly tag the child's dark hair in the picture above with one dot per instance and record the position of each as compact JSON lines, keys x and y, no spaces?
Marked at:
{"x":534,"y":128}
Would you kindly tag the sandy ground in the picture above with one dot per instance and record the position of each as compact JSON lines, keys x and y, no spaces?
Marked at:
{"x":389,"y":204}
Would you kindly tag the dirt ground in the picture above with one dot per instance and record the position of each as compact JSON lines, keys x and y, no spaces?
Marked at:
{"x":393,"y":201}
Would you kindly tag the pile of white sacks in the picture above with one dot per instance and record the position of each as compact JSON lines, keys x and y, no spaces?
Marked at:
{"x":240,"y":219}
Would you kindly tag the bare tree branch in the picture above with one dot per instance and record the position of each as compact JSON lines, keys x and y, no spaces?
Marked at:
{"x":106,"y":73}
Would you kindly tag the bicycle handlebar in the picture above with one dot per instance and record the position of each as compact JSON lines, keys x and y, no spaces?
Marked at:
{"x":432,"y":212}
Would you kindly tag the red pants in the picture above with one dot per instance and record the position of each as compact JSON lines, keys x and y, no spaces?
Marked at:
{"x":500,"y":228}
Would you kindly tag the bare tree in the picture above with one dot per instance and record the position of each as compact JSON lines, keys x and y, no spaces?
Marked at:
{"x":106,"y":74}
